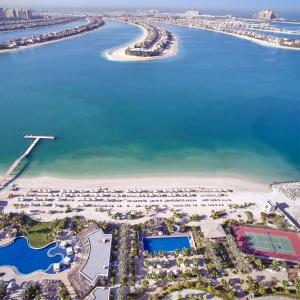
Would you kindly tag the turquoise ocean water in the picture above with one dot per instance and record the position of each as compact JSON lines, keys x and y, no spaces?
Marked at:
{"x":222,"y":106}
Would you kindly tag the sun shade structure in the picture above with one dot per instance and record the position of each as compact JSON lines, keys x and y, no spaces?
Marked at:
{"x":212,"y":230}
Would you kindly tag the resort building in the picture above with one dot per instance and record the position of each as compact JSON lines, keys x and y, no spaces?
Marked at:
{"x":269,"y":207}
{"x":100,"y":294}
{"x":97,"y":263}
{"x":213,"y":231}
{"x":1,"y":13}
{"x":266,"y":14}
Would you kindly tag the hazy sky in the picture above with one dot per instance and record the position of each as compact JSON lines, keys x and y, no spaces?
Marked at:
{"x":278,"y":5}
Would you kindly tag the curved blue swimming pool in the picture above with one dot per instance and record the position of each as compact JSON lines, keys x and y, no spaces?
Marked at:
{"x":26,"y":260}
{"x":166,"y":244}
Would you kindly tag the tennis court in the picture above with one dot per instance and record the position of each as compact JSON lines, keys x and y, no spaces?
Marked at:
{"x":267,"y":242}
{"x":270,"y":243}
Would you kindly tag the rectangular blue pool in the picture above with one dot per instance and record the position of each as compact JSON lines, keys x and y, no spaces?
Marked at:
{"x":166,"y":244}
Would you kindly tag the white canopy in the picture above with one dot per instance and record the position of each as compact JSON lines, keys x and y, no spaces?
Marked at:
{"x":212,"y":230}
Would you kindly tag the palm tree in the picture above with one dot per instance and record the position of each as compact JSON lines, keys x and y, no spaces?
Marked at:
{"x":185,"y":251}
{"x":297,"y":286}
{"x":285,"y":285}
{"x":274,"y":265}
{"x":262,"y":290}
{"x":250,"y":283}
{"x":145,"y":284}
{"x":259,"y":264}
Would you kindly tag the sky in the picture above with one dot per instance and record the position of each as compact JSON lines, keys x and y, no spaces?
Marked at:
{"x":222,"y":5}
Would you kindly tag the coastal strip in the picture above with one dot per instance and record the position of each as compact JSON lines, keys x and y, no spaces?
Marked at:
{"x":21,"y":25}
{"x":154,"y":43}
{"x":42,"y":39}
{"x":260,"y":39}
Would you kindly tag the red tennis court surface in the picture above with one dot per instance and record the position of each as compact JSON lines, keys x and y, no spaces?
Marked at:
{"x":268,"y":243}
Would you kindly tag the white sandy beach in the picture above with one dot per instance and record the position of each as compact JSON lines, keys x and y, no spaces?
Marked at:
{"x":244,"y":190}
{"x":118,"y":54}
{"x":144,"y":182}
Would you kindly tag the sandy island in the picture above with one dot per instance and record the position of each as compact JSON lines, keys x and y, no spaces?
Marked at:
{"x":118,"y":54}
{"x":48,"y":42}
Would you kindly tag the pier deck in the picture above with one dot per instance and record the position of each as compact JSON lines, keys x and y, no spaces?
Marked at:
{"x":10,"y":172}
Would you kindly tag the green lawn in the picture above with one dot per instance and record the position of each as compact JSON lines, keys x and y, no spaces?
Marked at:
{"x":37,"y":234}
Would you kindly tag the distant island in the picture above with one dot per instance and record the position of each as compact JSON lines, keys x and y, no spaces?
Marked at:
{"x":20,"y":43}
{"x":36,"y":23}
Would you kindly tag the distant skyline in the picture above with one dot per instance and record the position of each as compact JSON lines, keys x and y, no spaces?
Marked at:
{"x":222,"y":5}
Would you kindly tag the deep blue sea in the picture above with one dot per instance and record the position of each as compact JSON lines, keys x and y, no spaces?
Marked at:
{"x":222,"y":106}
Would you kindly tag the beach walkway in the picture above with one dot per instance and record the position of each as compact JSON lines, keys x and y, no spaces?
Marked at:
{"x":10,"y":172}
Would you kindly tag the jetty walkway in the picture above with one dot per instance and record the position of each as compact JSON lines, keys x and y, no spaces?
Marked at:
{"x":10,"y":172}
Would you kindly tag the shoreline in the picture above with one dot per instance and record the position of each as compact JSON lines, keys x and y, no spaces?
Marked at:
{"x":160,"y":181}
{"x":118,"y":53}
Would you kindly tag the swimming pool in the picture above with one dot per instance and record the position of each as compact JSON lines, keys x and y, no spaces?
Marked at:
{"x":166,"y":244}
{"x":26,"y":260}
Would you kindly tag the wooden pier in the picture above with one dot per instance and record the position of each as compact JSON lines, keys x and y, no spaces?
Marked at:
{"x":9,"y":175}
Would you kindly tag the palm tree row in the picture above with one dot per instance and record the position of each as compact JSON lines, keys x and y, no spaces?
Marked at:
{"x":241,"y":263}
{"x":210,"y":254}
{"x":124,"y":255}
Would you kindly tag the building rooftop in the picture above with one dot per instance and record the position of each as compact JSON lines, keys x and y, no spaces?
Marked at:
{"x":97,"y":263}
{"x":213,"y":230}
{"x":101,"y":294}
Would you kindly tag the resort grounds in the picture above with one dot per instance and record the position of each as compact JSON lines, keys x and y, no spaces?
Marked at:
{"x":166,"y":238}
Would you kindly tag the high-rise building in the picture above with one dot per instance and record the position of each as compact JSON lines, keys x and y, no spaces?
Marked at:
{"x":10,"y":13}
{"x":1,"y":13}
{"x":192,"y":13}
{"x":266,"y":14}
{"x":22,"y":14}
